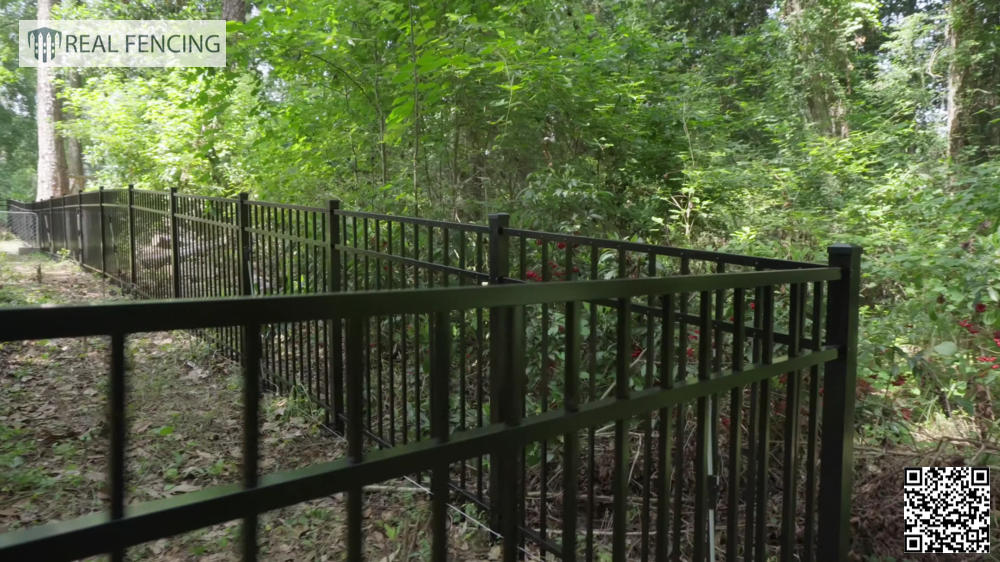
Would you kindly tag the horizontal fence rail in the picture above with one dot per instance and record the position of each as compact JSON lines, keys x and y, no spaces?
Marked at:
{"x":648,"y":402}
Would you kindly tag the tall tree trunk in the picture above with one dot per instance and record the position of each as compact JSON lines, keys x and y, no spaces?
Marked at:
{"x":416,"y":111}
{"x":956,"y":71}
{"x":74,"y":152}
{"x":234,"y":10}
{"x":51,"y":161}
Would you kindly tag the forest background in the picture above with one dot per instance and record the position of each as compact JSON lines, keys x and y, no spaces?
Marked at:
{"x":768,"y":127}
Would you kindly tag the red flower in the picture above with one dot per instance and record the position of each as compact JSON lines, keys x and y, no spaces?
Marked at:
{"x":753,"y":305}
{"x":692,"y":338}
{"x":561,"y":245}
{"x":725,"y":422}
{"x":533,"y":275}
{"x":690,"y":353}
{"x":968,"y":326}
{"x":996,"y":341}
{"x":636,"y":351}
{"x":986,"y":359}
{"x":980,"y":307}
{"x":994,"y":366}
{"x":538,"y":242}
{"x":907,"y":413}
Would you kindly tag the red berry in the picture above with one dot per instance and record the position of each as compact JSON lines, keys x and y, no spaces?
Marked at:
{"x":980,"y":307}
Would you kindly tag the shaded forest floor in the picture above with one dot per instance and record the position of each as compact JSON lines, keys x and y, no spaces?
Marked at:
{"x":184,"y":416}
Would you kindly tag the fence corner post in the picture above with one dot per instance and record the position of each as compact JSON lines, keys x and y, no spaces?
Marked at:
{"x":175,"y":261}
{"x":334,"y":326}
{"x":100,"y":218}
{"x":839,"y":380}
{"x":131,"y":234}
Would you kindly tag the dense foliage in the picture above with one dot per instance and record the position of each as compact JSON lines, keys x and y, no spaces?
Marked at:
{"x":772,"y":127}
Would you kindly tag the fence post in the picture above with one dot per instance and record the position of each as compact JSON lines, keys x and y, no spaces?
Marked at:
{"x":100,"y":207}
{"x":243,"y":221}
{"x":334,"y":327}
{"x":52,"y":240}
{"x":131,"y":234}
{"x":175,"y":261}
{"x":839,"y":379}
{"x":80,"y":239}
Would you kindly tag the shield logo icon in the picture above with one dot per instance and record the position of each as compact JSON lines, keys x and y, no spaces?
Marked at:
{"x":43,"y":42}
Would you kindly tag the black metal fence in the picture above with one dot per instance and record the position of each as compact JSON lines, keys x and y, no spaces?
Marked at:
{"x":695,"y":403}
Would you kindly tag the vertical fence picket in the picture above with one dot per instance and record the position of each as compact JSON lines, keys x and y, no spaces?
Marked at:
{"x":440,"y":373}
{"x":116,"y":425}
{"x":355,"y":430}
{"x":131,"y":236}
{"x":571,"y":441}
{"x":100,"y":218}
{"x":735,"y":422}
{"x":250,"y":359}
{"x":334,"y":331}
{"x":789,"y":493}
{"x":175,"y":256}
{"x":623,"y":342}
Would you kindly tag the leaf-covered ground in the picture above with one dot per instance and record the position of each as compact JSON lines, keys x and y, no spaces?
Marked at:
{"x":184,"y":434}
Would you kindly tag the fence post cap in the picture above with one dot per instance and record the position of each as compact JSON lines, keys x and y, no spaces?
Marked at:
{"x":843,"y":249}
{"x":499,"y":221}
{"x":333,"y":203}
{"x":243,"y":196}
{"x":131,"y":186}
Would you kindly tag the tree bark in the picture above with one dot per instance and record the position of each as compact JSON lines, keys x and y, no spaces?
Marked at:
{"x":74,"y":152}
{"x":51,"y":172}
{"x":234,"y":10}
{"x":956,"y":136}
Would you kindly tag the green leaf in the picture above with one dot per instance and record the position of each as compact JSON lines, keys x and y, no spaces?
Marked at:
{"x":946,"y":348}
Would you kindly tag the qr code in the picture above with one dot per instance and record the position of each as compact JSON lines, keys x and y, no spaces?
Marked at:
{"x":947,"y":510}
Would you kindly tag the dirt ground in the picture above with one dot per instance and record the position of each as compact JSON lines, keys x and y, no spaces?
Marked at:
{"x":184,"y":417}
